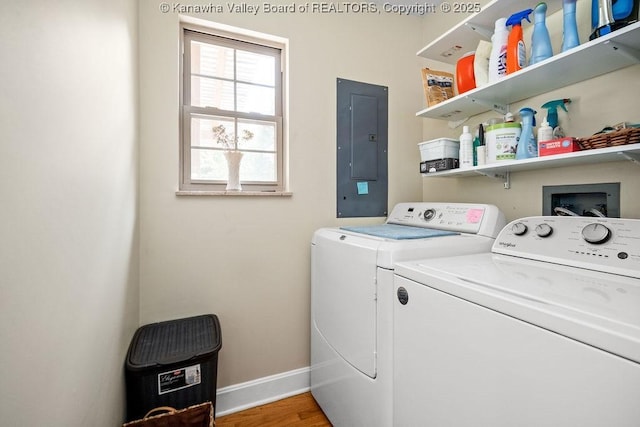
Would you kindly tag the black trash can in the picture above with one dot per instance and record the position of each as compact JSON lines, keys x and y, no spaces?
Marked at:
{"x":173,"y":363}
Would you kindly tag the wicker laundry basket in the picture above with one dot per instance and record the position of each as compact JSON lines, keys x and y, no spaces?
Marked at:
{"x":611,"y":139}
{"x":194,"y":416}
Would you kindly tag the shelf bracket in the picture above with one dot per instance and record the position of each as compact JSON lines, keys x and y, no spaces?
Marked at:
{"x":629,"y":52}
{"x":483,"y":31}
{"x":495,"y":106}
{"x":505,"y":177}
{"x":635,"y":158}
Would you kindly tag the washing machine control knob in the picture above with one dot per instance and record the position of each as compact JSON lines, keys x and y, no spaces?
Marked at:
{"x":544,"y":230}
{"x":596,"y":233}
{"x":519,"y":228}
{"x":429,"y":214}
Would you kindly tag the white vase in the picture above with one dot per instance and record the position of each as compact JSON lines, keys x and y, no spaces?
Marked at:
{"x":233,"y":165}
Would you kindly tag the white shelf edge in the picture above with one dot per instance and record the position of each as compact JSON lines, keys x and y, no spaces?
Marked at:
{"x":609,"y":154}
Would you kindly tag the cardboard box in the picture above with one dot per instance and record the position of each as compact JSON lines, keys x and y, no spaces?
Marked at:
{"x":558,"y":146}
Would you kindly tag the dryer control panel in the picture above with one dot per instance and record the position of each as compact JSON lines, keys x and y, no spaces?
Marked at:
{"x":610,"y":245}
{"x":485,"y":220}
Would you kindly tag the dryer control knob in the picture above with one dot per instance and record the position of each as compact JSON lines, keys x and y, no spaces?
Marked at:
{"x":596,"y":233}
{"x":544,"y":230}
{"x":519,"y":228}
{"x":429,"y":214}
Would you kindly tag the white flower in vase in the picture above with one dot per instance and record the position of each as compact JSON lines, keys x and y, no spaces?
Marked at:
{"x":232,"y":154}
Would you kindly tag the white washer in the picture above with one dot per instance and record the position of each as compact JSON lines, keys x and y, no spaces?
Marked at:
{"x":543,"y":331}
{"x":352,"y":296}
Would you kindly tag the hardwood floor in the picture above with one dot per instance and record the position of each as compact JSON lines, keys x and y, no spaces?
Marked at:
{"x":300,"y":411}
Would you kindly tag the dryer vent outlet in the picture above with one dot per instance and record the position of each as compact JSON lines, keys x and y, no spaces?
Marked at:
{"x":582,"y":200}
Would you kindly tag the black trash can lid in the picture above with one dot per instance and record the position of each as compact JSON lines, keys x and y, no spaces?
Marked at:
{"x":174,"y":341}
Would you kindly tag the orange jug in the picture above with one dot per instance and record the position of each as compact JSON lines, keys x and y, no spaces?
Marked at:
{"x":465,"y":77}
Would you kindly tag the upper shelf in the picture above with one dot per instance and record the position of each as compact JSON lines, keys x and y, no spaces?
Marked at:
{"x":584,"y":157}
{"x":614,"y":51}
{"x":464,"y":37}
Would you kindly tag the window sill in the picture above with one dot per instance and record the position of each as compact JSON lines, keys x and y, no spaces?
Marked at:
{"x":235,"y":193}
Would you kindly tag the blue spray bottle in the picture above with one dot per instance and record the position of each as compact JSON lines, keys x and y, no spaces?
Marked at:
{"x":540,"y":40}
{"x":570,"y":37}
{"x":527,"y":146}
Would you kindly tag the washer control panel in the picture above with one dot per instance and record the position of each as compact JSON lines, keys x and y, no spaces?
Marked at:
{"x":604,"y":244}
{"x":461,"y":217}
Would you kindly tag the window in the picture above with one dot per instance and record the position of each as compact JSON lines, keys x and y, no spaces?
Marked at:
{"x":235,"y":86}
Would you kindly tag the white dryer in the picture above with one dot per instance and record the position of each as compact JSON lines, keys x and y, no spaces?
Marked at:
{"x":544,"y":331}
{"x":352,"y":296}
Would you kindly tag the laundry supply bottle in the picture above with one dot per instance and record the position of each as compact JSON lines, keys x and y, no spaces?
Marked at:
{"x":516,"y":49}
{"x":476,"y":144}
{"x":508,"y":118}
{"x":570,"y":37}
{"x":527,"y":146}
{"x":545,"y":132}
{"x":540,"y":40}
{"x":480,"y":150}
{"x":552,"y":114}
{"x":466,"y":148}
{"x":498,"y":57}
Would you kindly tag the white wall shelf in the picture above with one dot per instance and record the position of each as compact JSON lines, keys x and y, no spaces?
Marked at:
{"x":464,"y":37}
{"x":503,"y":169}
{"x":614,"y":51}
{"x":592,"y":58}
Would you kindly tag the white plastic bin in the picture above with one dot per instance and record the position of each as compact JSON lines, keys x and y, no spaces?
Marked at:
{"x":441,"y":148}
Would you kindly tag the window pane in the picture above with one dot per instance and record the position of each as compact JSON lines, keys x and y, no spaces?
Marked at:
{"x":255,"y":68}
{"x":256,"y":99}
{"x":211,"y":60}
{"x":209,"y":92}
{"x":264,"y":135}
{"x":258,"y":167}
{"x":211,"y":165}
{"x":208,"y":165}
{"x":202,"y":131}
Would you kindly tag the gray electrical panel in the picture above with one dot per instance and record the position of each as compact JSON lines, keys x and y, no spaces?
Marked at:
{"x":362,"y":139}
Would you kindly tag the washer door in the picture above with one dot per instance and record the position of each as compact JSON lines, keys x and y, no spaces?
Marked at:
{"x":343,"y":296}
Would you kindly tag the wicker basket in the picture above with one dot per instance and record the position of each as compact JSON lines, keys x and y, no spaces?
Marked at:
{"x":611,"y":139}
{"x":194,"y":416}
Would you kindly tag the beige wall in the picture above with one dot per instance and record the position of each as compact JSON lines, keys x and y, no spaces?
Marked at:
{"x":602,"y":101}
{"x":68,"y":215}
{"x":247,"y":259}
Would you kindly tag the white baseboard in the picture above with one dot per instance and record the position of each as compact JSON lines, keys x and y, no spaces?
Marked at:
{"x":254,"y":393}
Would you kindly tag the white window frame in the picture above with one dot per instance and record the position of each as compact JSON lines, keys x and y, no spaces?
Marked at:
{"x":191,"y":32}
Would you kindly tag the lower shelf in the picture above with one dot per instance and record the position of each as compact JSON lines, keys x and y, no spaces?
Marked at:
{"x":629,"y":152}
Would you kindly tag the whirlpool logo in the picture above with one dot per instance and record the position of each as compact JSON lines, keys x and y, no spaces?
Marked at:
{"x":507,"y":244}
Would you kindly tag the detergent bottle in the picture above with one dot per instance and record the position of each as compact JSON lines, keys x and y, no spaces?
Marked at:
{"x":527,"y":146}
{"x":570,"y":37}
{"x":498,"y":56}
{"x":516,"y":49}
{"x":540,"y":40}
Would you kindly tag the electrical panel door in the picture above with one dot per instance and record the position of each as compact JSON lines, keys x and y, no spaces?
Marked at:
{"x":362,"y":139}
